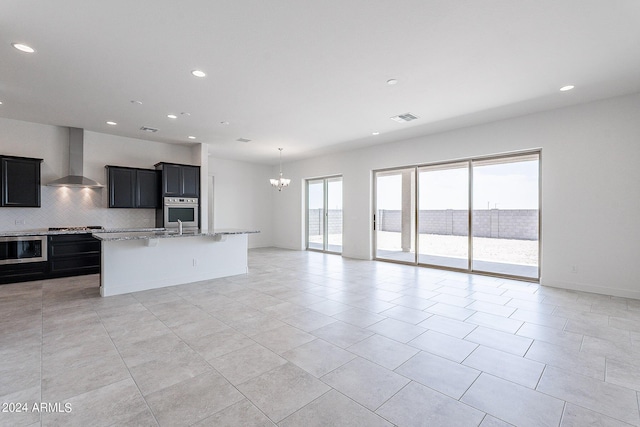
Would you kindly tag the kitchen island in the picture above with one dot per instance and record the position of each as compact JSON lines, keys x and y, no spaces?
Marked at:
{"x":138,"y":261}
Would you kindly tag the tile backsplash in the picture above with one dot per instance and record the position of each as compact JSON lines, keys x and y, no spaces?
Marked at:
{"x":63,"y":206}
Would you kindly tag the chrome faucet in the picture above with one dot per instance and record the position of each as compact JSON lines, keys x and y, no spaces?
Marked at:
{"x":179,"y":227}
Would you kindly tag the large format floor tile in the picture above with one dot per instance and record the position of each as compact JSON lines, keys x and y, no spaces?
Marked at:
{"x":314,"y":339}
{"x":513,"y":403}
{"x":417,"y":405}
{"x":282,"y":391}
{"x":613,"y":400}
{"x":334,"y":409}
{"x":193,"y":399}
{"x":365,"y":382}
{"x":440,"y":374}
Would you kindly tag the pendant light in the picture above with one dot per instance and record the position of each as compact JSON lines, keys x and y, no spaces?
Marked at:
{"x":281,"y":182}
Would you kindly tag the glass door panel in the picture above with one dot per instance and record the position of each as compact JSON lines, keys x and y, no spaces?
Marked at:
{"x":324,"y":214}
{"x":315,"y":214}
{"x":443,"y":215}
{"x":506,"y":216}
{"x":395,"y":217}
{"x":334,"y":214}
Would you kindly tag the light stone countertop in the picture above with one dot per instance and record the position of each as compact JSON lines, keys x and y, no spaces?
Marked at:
{"x":44,"y":232}
{"x":164,"y":234}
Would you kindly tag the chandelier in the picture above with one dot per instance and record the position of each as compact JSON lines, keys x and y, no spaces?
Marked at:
{"x":281,"y":182}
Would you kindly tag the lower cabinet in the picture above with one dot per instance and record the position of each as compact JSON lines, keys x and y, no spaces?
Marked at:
{"x":68,"y":255}
{"x":73,"y":255}
{"x":12,"y":273}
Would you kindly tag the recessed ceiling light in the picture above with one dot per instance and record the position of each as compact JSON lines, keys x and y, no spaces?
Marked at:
{"x":0,"y":102}
{"x":566,"y":88}
{"x":110,"y":123}
{"x":198,"y":73}
{"x":23,"y":47}
{"x":392,"y":82}
{"x":136,"y":102}
{"x":375,"y":133}
{"x":191,"y":137}
{"x":172,"y":116}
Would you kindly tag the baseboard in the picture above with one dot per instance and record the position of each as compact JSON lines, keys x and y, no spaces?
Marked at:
{"x":624,"y":293}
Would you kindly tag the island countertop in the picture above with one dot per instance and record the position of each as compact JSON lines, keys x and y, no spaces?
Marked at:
{"x":164,"y":234}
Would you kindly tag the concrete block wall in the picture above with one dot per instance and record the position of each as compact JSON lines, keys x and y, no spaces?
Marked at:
{"x":316,"y":221}
{"x":495,"y":223}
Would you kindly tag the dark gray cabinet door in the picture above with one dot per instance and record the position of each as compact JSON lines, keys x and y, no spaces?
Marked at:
{"x":147,"y":190}
{"x":190,"y":181}
{"x":133,"y":188}
{"x":73,"y":254}
{"x":20,"y":182}
{"x":171,"y":180}
{"x":180,"y":180}
{"x":122,"y":184}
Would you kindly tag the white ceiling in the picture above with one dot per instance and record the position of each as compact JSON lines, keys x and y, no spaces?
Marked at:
{"x":308,"y":76}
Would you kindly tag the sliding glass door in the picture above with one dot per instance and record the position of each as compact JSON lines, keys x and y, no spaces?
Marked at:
{"x":478,"y":215}
{"x":324,"y":214}
{"x":506,"y":215}
{"x":443,"y":216}
{"x":395,"y":219}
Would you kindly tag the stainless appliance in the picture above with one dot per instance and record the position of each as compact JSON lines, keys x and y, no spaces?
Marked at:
{"x":76,"y":164}
{"x":184,"y":209}
{"x":23,"y":249}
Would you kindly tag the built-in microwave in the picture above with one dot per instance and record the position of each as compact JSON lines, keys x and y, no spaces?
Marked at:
{"x":184,"y":209}
{"x":22,"y":249}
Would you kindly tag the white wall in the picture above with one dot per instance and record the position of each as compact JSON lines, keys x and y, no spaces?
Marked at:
{"x":590,"y":188}
{"x":242,"y":198}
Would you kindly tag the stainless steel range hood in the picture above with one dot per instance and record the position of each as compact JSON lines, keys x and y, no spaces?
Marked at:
{"x":76,"y":177}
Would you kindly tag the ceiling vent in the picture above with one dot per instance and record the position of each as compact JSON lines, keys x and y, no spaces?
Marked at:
{"x":149,"y":129}
{"x":403,"y":118}
{"x":243,"y":140}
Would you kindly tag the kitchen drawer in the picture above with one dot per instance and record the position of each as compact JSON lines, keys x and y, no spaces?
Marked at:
{"x":74,"y":265}
{"x":72,"y":244}
{"x":23,"y":272}
{"x":73,"y":255}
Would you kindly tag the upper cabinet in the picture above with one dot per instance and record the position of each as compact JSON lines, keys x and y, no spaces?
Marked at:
{"x":147,"y":188}
{"x":179,"y":180}
{"x":20,"y":182}
{"x":133,"y":188}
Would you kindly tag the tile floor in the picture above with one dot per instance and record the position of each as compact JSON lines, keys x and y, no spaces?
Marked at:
{"x":307,"y":339}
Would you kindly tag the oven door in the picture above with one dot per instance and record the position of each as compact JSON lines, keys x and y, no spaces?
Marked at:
{"x":188,"y":214}
{"x":15,"y":250}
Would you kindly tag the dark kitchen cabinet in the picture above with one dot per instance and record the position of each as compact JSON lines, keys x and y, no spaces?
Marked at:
{"x":73,"y":255}
{"x":133,"y":188}
{"x":12,"y":273}
{"x":147,"y":189}
{"x":20,"y":182}
{"x":179,"y":180}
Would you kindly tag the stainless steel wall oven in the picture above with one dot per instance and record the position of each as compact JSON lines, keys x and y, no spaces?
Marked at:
{"x":184,"y":209}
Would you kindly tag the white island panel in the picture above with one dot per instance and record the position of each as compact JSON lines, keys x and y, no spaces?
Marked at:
{"x":142,"y":264}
